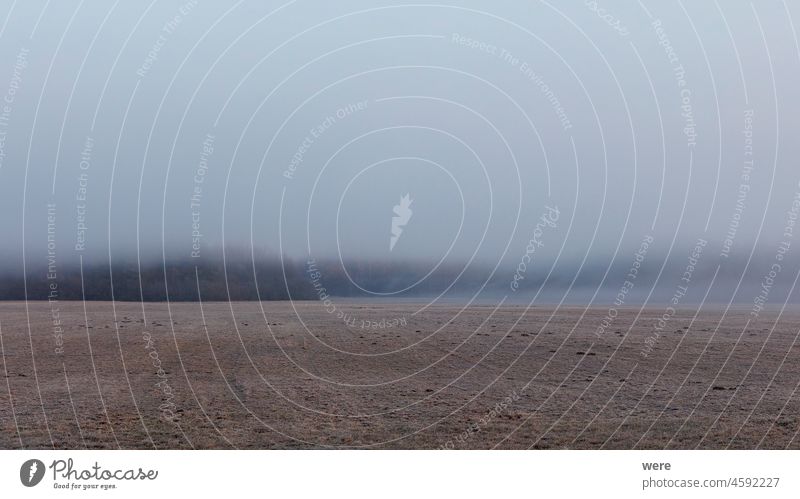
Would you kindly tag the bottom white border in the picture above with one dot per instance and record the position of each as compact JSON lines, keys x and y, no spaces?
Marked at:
{"x":404,"y":474}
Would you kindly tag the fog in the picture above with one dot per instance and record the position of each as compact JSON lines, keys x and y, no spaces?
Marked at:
{"x":540,"y":144}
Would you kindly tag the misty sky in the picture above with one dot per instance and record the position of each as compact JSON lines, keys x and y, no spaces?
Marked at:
{"x":297,"y":127}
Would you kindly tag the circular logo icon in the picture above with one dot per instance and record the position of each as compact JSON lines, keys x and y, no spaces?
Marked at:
{"x":31,"y":472}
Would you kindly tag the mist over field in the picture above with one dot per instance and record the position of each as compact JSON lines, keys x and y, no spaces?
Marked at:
{"x":461,"y":154}
{"x":240,"y":279}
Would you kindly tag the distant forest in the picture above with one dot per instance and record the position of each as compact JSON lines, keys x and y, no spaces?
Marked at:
{"x":238,"y":280}
{"x":738,"y":280}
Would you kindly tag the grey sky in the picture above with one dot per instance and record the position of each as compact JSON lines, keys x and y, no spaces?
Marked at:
{"x":483,"y":113}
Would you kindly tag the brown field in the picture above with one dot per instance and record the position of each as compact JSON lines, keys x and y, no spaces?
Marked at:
{"x":477,"y":378}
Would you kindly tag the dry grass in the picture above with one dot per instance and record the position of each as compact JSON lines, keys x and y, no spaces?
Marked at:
{"x":254,"y":383}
